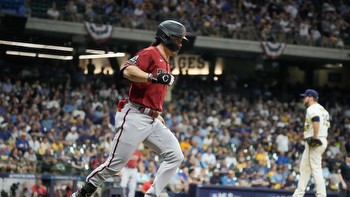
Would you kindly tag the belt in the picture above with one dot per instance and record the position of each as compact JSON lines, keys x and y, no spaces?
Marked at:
{"x":149,"y":111}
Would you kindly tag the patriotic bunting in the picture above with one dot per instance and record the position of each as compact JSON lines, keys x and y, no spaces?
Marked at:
{"x":273,"y":50}
{"x":99,"y":33}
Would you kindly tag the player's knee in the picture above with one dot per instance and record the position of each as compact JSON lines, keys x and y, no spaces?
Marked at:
{"x":175,"y":157}
{"x":179,"y":157}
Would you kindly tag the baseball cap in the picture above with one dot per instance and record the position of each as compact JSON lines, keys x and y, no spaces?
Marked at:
{"x":310,"y":92}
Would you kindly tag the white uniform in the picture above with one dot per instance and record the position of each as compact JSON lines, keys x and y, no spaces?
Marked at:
{"x":312,"y":157}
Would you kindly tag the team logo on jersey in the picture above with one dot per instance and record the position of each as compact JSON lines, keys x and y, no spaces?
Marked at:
{"x":134,"y":59}
{"x":159,"y":70}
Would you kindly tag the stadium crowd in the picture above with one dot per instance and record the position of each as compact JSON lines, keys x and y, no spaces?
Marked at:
{"x":307,"y":22}
{"x":59,"y":121}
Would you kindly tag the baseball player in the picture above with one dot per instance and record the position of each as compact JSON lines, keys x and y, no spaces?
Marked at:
{"x":129,"y":174}
{"x":315,"y":134}
{"x":139,"y":117}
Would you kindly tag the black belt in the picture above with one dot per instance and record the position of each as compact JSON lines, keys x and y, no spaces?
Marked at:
{"x":152,"y":113}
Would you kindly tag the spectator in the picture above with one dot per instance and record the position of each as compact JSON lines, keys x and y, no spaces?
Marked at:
{"x":282,"y":141}
{"x":290,"y":184}
{"x":77,"y":163}
{"x":261,"y":156}
{"x":72,"y":136}
{"x":209,"y":158}
{"x":193,"y":177}
{"x":282,"y":158}
{"x":31,"y":160}
{"x":22,"y":142}
{"x":52,"y":12}
{"x":48,"y":162}
{"x":34,"y":143}
{"x":344,"y":177}
{"x":38,"y":189}
{"x":278,"y":179}
{"x":259,"y":180}
{"x":25,"y":190}
{"x":141,"y":177}
{"x":71,"y":11}
{"x":325,"y":170}
{"x":229,"y":179}
{"x":215,"y":179}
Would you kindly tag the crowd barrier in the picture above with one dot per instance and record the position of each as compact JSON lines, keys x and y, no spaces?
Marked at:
{"x":232,"y":191}
{"x":8,"y":179}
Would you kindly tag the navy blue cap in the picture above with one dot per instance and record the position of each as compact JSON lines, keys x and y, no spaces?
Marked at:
{"x":310,"y":92}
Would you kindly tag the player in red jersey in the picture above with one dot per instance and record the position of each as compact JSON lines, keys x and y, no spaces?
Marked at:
{"x":138,"y":119}
{"x":129,"y":175}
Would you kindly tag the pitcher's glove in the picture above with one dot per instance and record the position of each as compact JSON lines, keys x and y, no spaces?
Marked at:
{"x":313,"y":142}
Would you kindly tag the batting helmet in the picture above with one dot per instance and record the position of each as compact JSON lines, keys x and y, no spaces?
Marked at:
{"x":170,"y":28}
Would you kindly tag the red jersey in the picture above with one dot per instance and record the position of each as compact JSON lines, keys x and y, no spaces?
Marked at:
{"x":134,"y":160}
{"x":149,"y":94}
{"x":41,"y":190}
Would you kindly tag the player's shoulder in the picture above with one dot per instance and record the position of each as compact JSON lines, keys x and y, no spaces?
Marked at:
{"x":151,"y":50}
{"x":316,"y":108}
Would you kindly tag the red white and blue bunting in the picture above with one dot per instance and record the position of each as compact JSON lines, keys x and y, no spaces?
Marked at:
{"x":99,"y":33}
{"x":273,"y":50}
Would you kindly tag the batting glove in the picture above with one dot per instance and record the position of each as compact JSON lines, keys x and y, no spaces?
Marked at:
{"x":162,"y":78}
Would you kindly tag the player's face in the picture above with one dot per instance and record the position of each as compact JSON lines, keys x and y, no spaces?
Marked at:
{"x":178,"y":41}
{"x":306,"y":100}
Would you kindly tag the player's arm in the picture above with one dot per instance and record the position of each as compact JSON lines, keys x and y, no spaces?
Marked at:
{"x":135,"y":74}
{"x":316,"y":125}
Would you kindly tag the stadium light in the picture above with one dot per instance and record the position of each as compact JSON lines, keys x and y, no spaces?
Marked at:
{"x":93,"y":52}
{"x":107,"y":55}
{"x":59,"y":57}
{"x":20,"y":53}
{"x":52,"y":47}
{"x":37,"y":46}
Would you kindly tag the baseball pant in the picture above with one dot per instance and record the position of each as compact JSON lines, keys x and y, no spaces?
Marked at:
{"x":134,"y":127}
{"x":311,"y":164}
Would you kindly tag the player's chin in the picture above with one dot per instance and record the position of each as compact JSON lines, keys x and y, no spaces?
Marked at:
{"x":174,"y":53}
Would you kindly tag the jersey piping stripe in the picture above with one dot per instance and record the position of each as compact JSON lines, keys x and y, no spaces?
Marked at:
{"x":115,"y":148}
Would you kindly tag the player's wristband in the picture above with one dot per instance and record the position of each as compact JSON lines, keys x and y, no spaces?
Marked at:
{"x":149,"y":77}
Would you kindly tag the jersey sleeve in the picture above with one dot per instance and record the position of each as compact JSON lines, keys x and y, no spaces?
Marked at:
{"x":144,"y":60}
{"x":312,"y":112}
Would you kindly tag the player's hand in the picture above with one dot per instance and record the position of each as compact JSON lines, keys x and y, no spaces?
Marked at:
{"x":162,"y":78}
